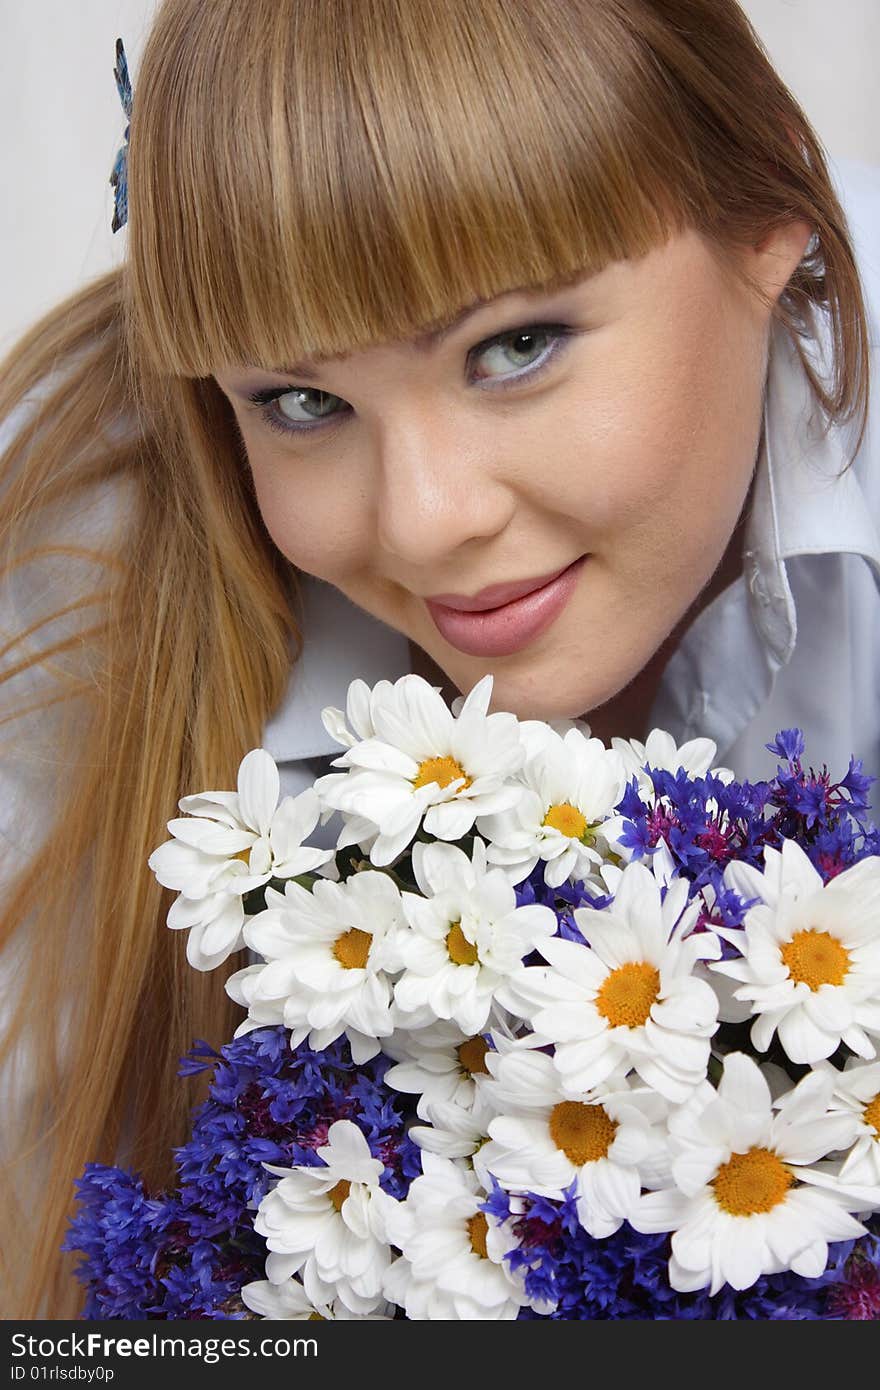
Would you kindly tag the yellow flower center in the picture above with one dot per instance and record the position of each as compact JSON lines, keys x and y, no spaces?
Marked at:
{"x":339,"y":1193}
{"x":352,"y":948}
{"x":584,"y":1133}
{"x":752,"y":1182}
{"x":871,"y":1114}
{"x":442,"y":771}
{"x":244,"y":855}
{"x":461,"y":951}
{"x":478,"y":1229}
{"x":567,"y":819}
{"x":472,"y":1056}
{"x":816,"y":958}
{"x":627,"y":994}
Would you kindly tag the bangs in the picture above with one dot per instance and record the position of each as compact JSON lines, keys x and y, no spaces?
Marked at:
{"x":309,"y":177}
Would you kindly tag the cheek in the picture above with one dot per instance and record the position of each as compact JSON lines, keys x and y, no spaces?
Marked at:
{"x":317,"y":526}
{"x":670,"y":437}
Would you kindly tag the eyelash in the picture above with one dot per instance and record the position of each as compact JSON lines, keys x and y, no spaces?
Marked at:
{"x":263,"y":401}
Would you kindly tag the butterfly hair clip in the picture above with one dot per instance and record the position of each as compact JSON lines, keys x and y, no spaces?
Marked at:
{"x":119,"y":174}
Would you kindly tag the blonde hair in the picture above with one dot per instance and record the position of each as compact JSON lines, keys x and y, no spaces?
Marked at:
{"x":306,"y":177}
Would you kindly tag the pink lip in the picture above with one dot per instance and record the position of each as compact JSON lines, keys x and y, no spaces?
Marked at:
{"x":508,"y":626}
{"x":494,"y":595}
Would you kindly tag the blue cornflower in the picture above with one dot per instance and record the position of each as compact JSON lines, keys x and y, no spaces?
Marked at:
{"x":823,"y":816}
{"x":118,"y":1229}
{"x":788,"y":744}
{"x":857,"y":783}
{"x":187,"y":1253}
{"x":625,"y":1275}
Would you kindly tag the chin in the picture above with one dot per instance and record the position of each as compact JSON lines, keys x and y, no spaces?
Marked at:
{"x":528,"y":705}
{"x":543,"y":695}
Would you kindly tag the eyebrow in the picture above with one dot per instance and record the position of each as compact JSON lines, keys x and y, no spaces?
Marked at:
{"x":423,"y":342}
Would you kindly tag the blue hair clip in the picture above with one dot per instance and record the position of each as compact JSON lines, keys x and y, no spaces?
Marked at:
{"x":119,"y":175}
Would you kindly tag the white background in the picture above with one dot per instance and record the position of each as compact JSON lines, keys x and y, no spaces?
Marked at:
{"x":62,"y":123}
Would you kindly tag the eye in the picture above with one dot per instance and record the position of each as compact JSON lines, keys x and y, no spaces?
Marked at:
{"x":519,"y":343}
{"x":276,"y":406}
{"x":303,"y":409}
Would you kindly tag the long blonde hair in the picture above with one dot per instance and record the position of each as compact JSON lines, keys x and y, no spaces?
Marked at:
{"x":306,"y":177}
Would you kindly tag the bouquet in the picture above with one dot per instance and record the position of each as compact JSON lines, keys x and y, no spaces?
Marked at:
{"x":557,"y":1030}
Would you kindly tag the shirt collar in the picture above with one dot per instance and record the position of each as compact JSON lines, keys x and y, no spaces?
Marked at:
{"x":340,"y":643}
{"x":806,"y":501}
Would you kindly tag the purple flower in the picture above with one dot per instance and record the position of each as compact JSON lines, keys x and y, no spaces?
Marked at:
{"x":186,"y":1253}
{"x":625,"y":1275}
{"x":788,"y":744}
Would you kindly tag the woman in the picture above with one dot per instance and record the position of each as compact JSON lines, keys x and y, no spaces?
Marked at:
{"x":641,"y":226}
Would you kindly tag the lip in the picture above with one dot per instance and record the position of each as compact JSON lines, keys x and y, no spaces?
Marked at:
{"x":494,"y":595}
{"x":509,"y":626}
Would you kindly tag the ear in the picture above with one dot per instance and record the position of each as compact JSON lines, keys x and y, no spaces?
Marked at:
{"x":777,"y":256}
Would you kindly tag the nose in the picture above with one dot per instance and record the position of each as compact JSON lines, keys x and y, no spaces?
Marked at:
{"x":441,"y":486}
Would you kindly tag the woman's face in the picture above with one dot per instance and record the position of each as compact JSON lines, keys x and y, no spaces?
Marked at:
{"x":617,"y":419}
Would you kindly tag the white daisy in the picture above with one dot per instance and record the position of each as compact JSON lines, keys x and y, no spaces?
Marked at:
{"x":542,"y":1140}
{"x":330,"y":1223}
{"x":347,"y":728}
{"x":571,"y":784}
{"x":468,"y":935}
{"x":857,"y":1093}
{"x":357,"y":721}
{"x":289,"y":1300}
{"x":535,"y":730}
{"x":730,"y":1009}
{"x":452,"y":1265}
{"x":745,"y":1203}
{"x":458,"y":1133}
{"x":661,"y":751}
{"x":261,"y":1012}
{"x":285,"y":1300}
{"x":227,"y":844}
{"x":214,"y":923}
{"x":437,"y":1063}
{"x":329,"y":954}
{"x":810,"y":966}
{"x":424,"y":765}
{"x":631,"y":997}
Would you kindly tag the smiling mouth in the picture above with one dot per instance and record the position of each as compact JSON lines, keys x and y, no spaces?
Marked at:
{"x":510,"y":626}
{"x":496,"y":595}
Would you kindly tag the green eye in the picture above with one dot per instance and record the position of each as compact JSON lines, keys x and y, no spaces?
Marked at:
{"x":521,"y":343}
{"x":512,"y":346}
